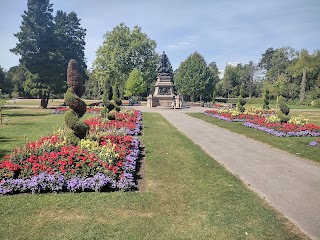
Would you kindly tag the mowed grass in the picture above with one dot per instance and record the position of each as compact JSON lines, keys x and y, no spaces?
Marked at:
{"x":295,"y":145}
{"x":188,"y":196}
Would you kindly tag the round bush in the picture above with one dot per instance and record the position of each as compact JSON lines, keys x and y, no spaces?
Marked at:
{"x":118,"y":101}
{"x":81,"y":130}
{"x":111,"y":116}
{"x":71,"y":119}
{"x":110,"y":106}
{"x":103,"y":113}
{"x":284,"y":108}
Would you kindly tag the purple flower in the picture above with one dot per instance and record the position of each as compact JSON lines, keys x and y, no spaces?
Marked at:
{"x":314,"y":143}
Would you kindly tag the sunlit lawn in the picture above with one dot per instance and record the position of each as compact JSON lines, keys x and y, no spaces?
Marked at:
{"x":188,"y":196}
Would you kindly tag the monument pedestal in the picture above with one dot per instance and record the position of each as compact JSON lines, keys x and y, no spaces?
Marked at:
{"x":164,"y":94}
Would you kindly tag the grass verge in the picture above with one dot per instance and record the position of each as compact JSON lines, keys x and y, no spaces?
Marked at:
{"x":295,"y":145}
{"x":188,"y":196}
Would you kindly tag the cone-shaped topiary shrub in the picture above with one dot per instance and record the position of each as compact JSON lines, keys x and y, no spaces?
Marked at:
{"x":284,"y":110}
{"x":266,"y":100}
{"x":241,"y":100}
{"x":78,"y":107}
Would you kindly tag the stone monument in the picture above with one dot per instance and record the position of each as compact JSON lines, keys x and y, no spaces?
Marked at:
{"x":164,"y":94}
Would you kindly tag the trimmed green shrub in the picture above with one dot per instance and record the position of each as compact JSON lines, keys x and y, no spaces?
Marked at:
{"x":117,"y":102}
{"x":117,"y":108}
{"x":266,"y":100}
{"x":241,"y":100}
{"x":111,"y":116}
{"x":103,"y":113}
{"x":284,"y":110}
{"x":78,"y":107}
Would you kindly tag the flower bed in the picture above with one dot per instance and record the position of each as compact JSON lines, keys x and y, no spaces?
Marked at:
{"x":127,"y":121}
{"x":100,"y":162}
{"x":284,"y":129}
{"x":233,"y":115}
{"x":268,"y":122}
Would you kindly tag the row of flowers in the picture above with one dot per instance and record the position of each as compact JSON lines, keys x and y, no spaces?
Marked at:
{"x":105,"y":160}
{"x":234,"y":115}
{"x":126,"y":120}
{"x":269,"y":122}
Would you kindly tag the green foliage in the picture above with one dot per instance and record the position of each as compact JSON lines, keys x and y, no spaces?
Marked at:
{"x":81,"y":129}
{"x":117,"y":108}
{"x":109,"y":106}
{"x":17,"y":76}
{"x":241,"y":100}
{"x":241,"y":103}
{"x":117,"y":101}
{"x":45,"y":44}
{"x":315,"y":103}
{"x":103,"y":113}
{"x":72,"y":99}
{"x":5,"y":83}
{"x":194,"y":79}
{"x":284,"y":110}
{"x":266,"y":100}
{"x":135,"y":85}
{"x":71,"y":118}
{"x":122,"y":51}
{"x":111,"y":116}
{"x":70,"y":42}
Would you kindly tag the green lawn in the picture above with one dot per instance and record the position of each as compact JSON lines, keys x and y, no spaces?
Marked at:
{"x":188,"y":196}
{"x":295,"y":145}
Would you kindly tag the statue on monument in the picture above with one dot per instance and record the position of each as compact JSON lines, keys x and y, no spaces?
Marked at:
{"x":164,"y":68}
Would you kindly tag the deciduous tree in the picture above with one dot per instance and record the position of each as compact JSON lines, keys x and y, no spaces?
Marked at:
{"x":45,"y":45}
{"x":194,"y":79}
{"x":122,"y":51}
{"x":135,"y":85}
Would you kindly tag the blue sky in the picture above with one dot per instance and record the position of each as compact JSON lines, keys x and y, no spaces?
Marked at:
{"x":220,"y":30}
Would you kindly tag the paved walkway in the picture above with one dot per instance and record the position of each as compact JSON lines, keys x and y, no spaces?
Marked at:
{"x":289,"y":183}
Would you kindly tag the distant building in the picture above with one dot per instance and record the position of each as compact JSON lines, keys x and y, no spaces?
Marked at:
{"x":221,"y":73}
{"x":233,"y":64}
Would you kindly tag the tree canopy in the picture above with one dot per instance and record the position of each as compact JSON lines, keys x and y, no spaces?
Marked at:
{"x":135,"y":85}
{"x":45,"y":45}
{"x":194,"y":79}
{"x":122,"y":51}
